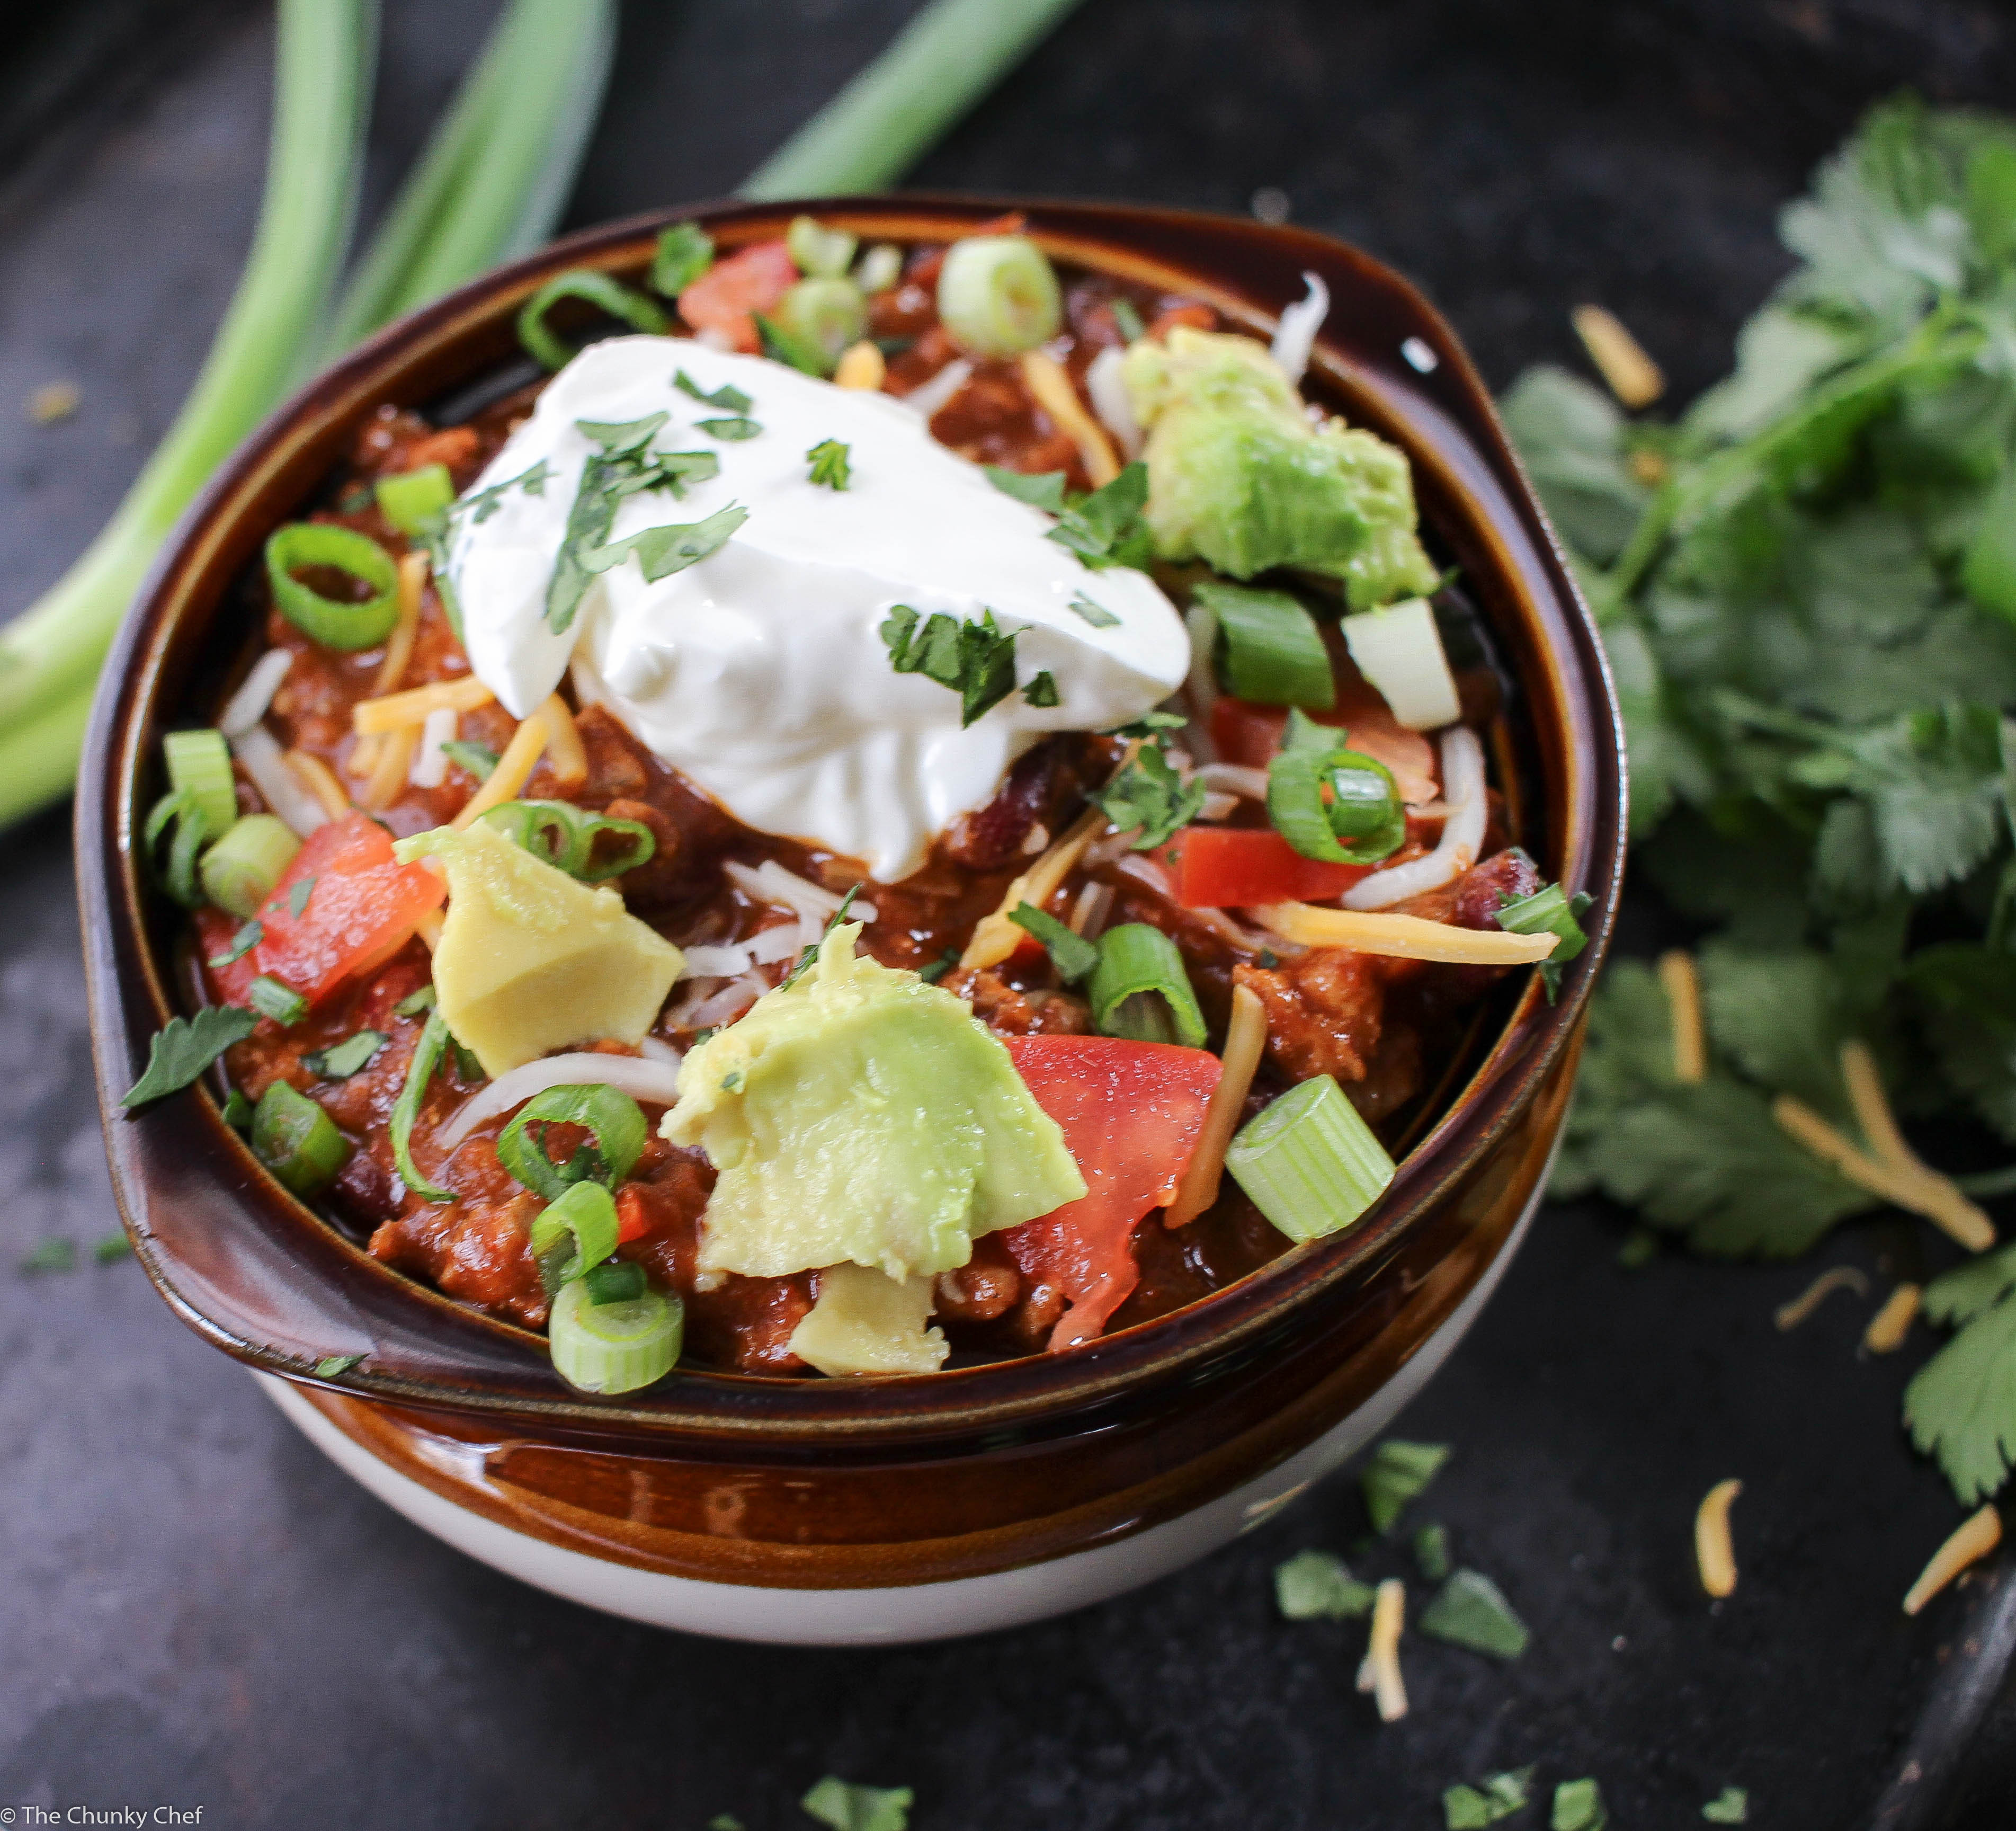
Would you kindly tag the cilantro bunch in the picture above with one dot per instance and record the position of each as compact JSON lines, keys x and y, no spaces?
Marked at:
{"x":1807,"y":585}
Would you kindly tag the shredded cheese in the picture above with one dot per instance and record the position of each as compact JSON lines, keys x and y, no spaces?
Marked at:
{"x":320,"y":782}
{"x":1682,"y":989}
{"x":521,"y":756}
{"x":1380,"y":1674}
{"x":565,"y":753}
{"x":1957,"y":1216}
{"x":1963,"y":1220}
{"x":1633,"y":375}
{"x":1402,"y":937}
{"x":399,"y":644}
{"x":1888,"y":1327}
{"x":1840,"y":1277}
{"x":993,"y":936}
{"x":1245,"y":1036}
{"x":1975,"y":1539}
{"x":861,"y":366}
{"x":464,"y":694}
{"x":1714,"y":1550}
{"x":388,"y":773}
{"x":1057,"y":396}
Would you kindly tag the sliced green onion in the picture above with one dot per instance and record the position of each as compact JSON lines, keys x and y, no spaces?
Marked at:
{"x":614,"y":1119}
{"x":1311,"y":1165}
{"x":1273,"y":652}
{"x":616,"y":1281}
{"x":244,"y":867}
{"x":413,"y":498}
{"x":281,"y":1003}
{"x":998,"y":295}
{"x":296,"y":1141}
{"x":564,"y":836}
{"x":818,"y":252}
{"x":237,"y":1111}
{"x":575,"y":1232}
{"x":199,"y":764}
{"x":1071,"y":954}
{"x":1331,"y":803}
{"x":685,"y":252}
{"x":414,"y":1003}
{"x":617,"y":1347}
{"x":340,"y":1060}
{"x":177,"y":874}
{"x":406,"y":1108}
{"x":1128,"y":319}
{"x":1550,"y":910}
{"x":331,"y":621}
{"x":821,"y":316}
{"x":1140,"y":989}
{"x":880,"y":268}
{"x":466,"y":753}
{"x":619,"y":301}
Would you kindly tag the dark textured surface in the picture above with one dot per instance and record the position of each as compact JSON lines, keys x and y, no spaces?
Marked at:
{"x":198,"y":1611}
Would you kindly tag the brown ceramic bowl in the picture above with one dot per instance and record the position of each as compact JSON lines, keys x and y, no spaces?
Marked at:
{"x":842,"y":1510}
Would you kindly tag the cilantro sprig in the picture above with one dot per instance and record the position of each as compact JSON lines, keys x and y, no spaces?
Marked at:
{"x":975,"y":659}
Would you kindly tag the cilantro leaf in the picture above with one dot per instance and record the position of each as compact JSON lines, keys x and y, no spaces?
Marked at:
{"x":662,"y":551}
{"x":1397,"y":1473}
{"x":846,"y":1808}
{"x":1070,"y":953}
{"x":828,"y":460}
{"x":1314,"y":1586}
{"x":1148,"y":799}
{"x":1571,"y":436}
{"x":184,"y":1047}
{"x":1730,"y":1807}
{"x":1431,"y":1552}
{"x":1470,"y":1610}
{"x":249,"y":936}
{"x":1042,"y":690}
{"x":1106,"y":528}
{"x":1498,"y":1795}
{"x":729,"y":400}
{"x":1578,"y":1807}
{"x":332,"y":1366}
{"x":479,"y":759}
{"x":1040,"y":489}
{"x":1961,"y":1406}
{"x":1097,"y":615}
{"x":975,"y":660}
{"x":298,"y":894}
{"x":1966,"y":998}
{"x":730,"y":431}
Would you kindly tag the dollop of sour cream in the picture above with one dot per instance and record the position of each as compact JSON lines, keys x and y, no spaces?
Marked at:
{"x":759,"y":672}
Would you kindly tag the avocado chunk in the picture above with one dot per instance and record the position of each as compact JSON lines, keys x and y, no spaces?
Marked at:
{"x":1240,"y":478}
{"x":857,"y":1114}
{"x":530,"y":961}
{"x":865,"y":1321}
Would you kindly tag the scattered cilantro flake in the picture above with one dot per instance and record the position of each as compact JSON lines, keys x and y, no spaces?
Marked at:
{"x":847,"y":1807}
{"x":330,"y":1366}
{"x":1431,"y":1551}
{"x":271,"y":998}
{"x":342,"y":1060}
{"x":1148,"y":798}
{"x":112,"y":1248}
{"x":1730,"y":1807}
{"x":1106,"y":527}
{"x":1071,"y":954}
{"x":975,"y":660}
{"x":730,"y":1082}
{"x":479,"y":759}
{"x":298,"y":897}
{"x":1314,"y":1586}
{"x":1042,"y":690}
{"x":1470,"y":1610}
{"x":248,"y":937}
{"x":1397,"y":1473}
{"x":1959,"y":1405}
{"x":939,"y":967}
{"x":1498,"y":1796}
{"x":810,"y":952}
{"x":51,"y":1256}
{"x":828,"y":460}
{"x":185,"y":1047}
{"x":1096,"y":614}
{"x":729,"y":400}
{"x":730,"y":431}
{"x":1641,"y":1248}
{"x":685,"y":252}
{"x":415,"y":1002}
{"x":1578,"y":1807}
{"x":1041,"y":489}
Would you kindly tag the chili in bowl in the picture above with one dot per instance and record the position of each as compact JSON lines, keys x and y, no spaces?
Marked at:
{"x":982,"y":820}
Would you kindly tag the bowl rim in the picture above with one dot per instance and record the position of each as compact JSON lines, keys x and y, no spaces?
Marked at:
{"x":1432,"y":398}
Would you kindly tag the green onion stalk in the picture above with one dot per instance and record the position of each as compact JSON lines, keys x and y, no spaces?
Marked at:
{"x":490,"y":186}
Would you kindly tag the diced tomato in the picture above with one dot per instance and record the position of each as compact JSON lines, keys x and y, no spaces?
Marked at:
{"x":723,"y":298}
{"x":1251,"y":734}
{"x":1130,"y":1113}
{"x":215,"y":928}
{"x":361,"y":908}
{"x":632,"y":1221}
{"x":1235,"y":867}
